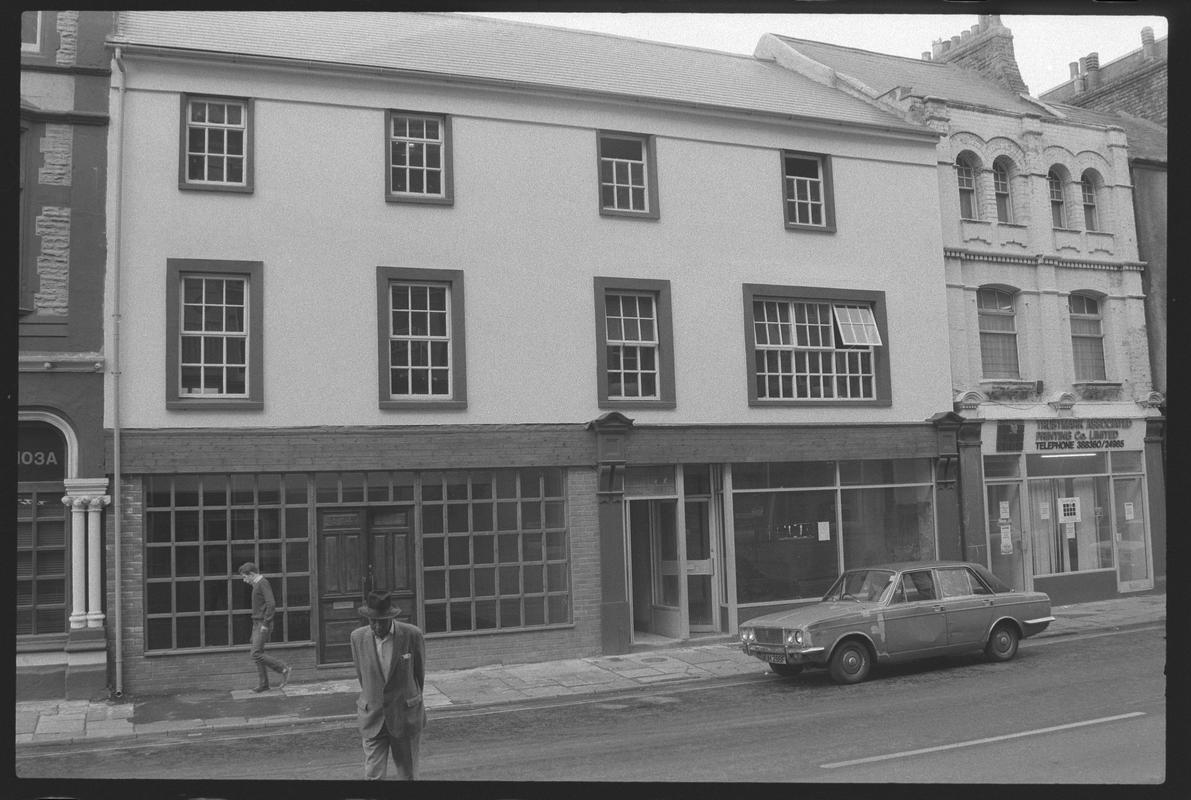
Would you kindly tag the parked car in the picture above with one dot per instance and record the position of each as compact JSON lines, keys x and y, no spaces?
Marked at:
{"x":898,"y":612}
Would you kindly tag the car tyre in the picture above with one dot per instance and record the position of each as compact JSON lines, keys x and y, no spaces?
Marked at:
{"x":1002,"y":643}
{"x":786,"y":670}
{"x":850,"y":663}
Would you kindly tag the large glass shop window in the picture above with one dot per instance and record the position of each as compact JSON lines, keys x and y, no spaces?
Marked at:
{"x":494,"y":549}
{"x":198,"y":530}
{"x":787,"y":522}
{"x":1071,"y":510}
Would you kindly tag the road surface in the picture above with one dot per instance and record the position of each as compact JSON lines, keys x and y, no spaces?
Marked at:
{"x":1082,"y":709}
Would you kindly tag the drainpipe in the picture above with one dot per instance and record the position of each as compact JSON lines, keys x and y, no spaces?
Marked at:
{"x":117,"y":172}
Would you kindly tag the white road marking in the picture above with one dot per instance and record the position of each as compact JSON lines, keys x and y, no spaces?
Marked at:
{"x":906,"y":753}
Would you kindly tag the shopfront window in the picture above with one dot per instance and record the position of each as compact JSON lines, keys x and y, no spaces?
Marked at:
{"x":798,"y":524}
{"x":494,"y":546}
{"x":198,"y":530}
{"x":883,"y":525}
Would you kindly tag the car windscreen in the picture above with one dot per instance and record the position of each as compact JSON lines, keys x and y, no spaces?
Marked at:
{"x":861,"y":584}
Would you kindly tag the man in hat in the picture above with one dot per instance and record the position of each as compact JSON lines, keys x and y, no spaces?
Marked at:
{"x":262,"y":625}
{"x":390,"y":660}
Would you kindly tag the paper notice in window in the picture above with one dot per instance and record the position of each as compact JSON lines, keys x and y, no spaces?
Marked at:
{"x":1128,"y":511}
{"x":1069,"y":529}
{"x":1044,"y":511}
{"x":1004,"y":509}
{"x":824,"y":531}
{"x":1006,"y":540}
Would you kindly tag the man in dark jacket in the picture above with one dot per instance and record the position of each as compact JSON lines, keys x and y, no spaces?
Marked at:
{"x":262,"y":626}
{"x":390,"y":660}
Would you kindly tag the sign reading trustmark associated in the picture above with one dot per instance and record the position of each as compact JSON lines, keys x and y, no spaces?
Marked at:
{"x":1066,"y":434}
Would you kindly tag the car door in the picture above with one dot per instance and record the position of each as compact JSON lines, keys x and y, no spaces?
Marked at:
{"x":915,"y":621}
{"x":968,"y":605}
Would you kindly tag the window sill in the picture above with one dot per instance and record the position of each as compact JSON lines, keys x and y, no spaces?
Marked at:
{"x":423,"y":405}
{"x":612,"y":403}
{"x":612,"y":212}
{"x":1016,"y":225}
{"x":795,"y":226}
{"x":1097,"y":390}
{"x":810,"y":403}
{"x":205,"y":651}
{"x":230,"y":188}
{"x":419,"y":200}
{"x":214,"y":404}
{"x":1008,"y":388}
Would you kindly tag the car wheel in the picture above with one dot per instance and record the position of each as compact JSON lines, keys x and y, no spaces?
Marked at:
{"x":849,"y":663}
{"x":1002,"y":643}
{"x":786,"y":670}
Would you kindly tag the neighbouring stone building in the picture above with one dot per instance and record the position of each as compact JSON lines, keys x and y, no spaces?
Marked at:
{"x":1061,"y":441}
{"x":1135,"y":88}
{"x":61,"y":492}
{"x":621,"y":341}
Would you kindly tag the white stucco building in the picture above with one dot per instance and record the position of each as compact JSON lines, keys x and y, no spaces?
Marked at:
{"x":569,"y":340}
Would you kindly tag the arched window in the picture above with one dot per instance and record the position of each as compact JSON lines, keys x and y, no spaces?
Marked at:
{"x":1087,"y":187}
{"x":998,"y":333}
{"x":965,"y":175}
{"x":1004,"y":198}
{"x":1058,"y":210}
{"x":1087,"y":337}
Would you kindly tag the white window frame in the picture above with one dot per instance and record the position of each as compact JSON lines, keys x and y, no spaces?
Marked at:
{"x":410,"y":142}
{"x":432,"y":341}
{"x":207,"y":336}
{"x":1002,"y":193}
{"x":640,"y":345}
{"x":226,"y":128}
{"x":1091,"y":216}
{"x":965,"y":178}
{"x":35,"y":45}
{"x":805,"y":197}
{"x":1058,"y":204}
{"x":626,"y":175}
{"x":1010,"y":333}
{"x":801,"y":340}
{"x":1089,"y":317}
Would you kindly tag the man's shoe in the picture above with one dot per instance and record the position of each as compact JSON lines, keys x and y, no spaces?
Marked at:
{"x":260,"y":689}
{"x":285,"y":677}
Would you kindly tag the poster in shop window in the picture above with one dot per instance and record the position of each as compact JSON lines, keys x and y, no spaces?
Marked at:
{"x":1006,"y":540}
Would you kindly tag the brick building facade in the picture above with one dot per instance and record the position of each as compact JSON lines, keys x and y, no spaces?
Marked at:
{"x":61,"y":623}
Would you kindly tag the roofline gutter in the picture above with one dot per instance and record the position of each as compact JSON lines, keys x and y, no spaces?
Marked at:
{"x":277,"y":62}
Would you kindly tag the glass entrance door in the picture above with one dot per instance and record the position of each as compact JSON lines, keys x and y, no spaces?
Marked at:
{"x":656,"y":550}
{"x":1129,"y":534}
{"x":1006,"y":541}
{"x":700,"y":567}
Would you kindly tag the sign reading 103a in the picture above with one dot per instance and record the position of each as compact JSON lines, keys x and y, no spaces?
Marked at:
{"x":41,"y":452}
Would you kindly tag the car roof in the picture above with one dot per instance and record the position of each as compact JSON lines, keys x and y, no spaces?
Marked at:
{"x":898,"y":566}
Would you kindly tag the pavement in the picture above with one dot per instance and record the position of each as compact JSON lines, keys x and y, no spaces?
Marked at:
{"x":450,"y":692}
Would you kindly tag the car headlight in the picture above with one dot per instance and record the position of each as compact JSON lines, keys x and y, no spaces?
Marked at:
{"x":793,"y":637}
{"x":748,"y":635}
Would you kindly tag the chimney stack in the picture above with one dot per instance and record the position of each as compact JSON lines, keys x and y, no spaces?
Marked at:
{"x":1147,"y":43}
{"x":985,"y":48}
{"x":926,"y":55}
{"x":1093,"y":71}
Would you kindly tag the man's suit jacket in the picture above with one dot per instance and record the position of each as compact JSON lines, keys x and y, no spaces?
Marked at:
{"x":394,"y":699}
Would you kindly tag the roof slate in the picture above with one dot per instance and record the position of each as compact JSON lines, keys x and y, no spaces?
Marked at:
{"x":462,"y":46}
{"x":883,"y":73}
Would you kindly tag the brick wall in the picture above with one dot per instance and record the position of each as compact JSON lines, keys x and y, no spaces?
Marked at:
{"x":1142,"y":94}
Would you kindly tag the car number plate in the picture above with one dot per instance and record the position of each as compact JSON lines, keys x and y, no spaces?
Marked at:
{"x":775,"y":659}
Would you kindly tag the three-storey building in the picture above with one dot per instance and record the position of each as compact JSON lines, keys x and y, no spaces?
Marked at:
{"x":1061,"y":446}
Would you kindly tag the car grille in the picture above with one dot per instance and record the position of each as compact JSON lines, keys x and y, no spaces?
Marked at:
{"x":769,"y":635}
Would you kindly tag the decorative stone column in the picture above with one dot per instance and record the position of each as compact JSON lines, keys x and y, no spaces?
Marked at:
{"x":86,"y":645}
{"x":78,"y":560}
{"x":95,"y":614}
